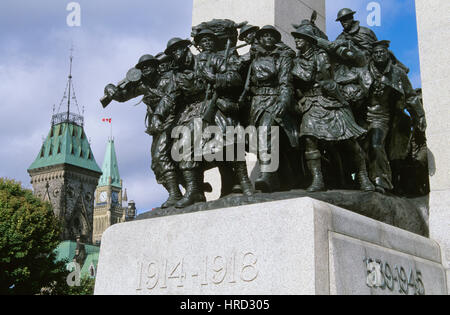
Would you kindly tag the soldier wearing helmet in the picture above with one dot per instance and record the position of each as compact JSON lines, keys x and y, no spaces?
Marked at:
{"x":153,"y":86}
{"x":248,"y":33}
{"x":178,"y":50}
{"x":271,"y":96}
{"x":213,"y":80}
{"x":326,"y":116}
{"x":390,"y":93}
{"x":361,"y":36}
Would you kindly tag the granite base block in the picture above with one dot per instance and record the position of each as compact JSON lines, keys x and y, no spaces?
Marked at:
{"x":296,"y":246}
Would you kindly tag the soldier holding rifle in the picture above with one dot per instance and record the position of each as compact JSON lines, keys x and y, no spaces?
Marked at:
{"x":145,"y":80}
{"x":206,"y":93}
{"x":326,"y":114}
{"x":271,"y":105}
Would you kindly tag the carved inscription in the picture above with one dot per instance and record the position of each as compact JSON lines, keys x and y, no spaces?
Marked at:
{"x":202,"y":271}
{"x":381,"y":275}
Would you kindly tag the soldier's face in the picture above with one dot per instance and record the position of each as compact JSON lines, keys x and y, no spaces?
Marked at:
{"x":347,"y":23}
{"x":250,"y":38}
{"x":207,"y":43}
{"x":268,"y":40}
{"x":148,"y":71}
{"x":178,"y":53}
{"x":380,"y":55}
{"x":164,"y":67}
{"x":302,"y":44}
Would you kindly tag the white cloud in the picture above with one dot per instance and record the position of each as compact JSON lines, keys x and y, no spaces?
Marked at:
{"x":34,"y":73}
{"x":34,"y":49}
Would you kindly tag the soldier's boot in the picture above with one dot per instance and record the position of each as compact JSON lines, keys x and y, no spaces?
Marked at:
{"x":267,"y":182}
{"x":171,"y":185}
{"x":313,"y":160}
{"x":236,"y":189}
{"x":365,"y":183}
{"x":240,"y":169}
{"x":227,"y":180}
{"x":381,"y":185}
{"x":194,"y":189}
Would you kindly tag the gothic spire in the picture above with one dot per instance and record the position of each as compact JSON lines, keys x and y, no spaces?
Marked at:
{"x":69,"y":94}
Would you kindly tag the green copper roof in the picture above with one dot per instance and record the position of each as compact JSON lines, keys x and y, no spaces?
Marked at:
{"x":110,"y":167}
{"x":91,"y":259}
{"x":66,"y":143}
{"x":66,"y":251}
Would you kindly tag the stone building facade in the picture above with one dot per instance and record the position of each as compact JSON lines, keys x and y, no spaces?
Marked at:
{"x":65,"y":173}
{"x":110,"y":196}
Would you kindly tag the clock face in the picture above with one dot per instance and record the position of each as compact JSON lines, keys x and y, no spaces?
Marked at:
{"x":115,"y":197}
{"x":103,"y":196}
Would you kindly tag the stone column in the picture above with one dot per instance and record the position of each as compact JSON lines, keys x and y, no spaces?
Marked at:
{"x":280,"y":13}
{"x":433,"y":24}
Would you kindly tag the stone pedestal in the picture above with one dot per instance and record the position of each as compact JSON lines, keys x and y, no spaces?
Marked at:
{"x":296,"y":246}
{"x":433,"y":24}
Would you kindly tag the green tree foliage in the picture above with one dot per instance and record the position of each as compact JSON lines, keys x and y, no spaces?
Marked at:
{"x":29,"y":234}
{"x":86,"y":287}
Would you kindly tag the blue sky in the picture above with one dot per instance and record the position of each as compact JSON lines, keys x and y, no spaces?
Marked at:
{"x":398,"y":24}
{"x":34,"y":52}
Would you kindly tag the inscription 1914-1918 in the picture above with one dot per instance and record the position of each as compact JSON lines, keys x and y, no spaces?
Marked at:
{"x":381,"y":275}
{"x":213,"y":270}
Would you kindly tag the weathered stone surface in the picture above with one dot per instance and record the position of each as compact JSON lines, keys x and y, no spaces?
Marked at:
{"x":434,"y":38}
{"x":400,"y":212}
{"x":294,"y":246}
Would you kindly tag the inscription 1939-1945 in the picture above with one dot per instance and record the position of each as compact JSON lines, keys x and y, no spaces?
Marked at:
{"x":381,"y":275}
{"x":180,"y":272}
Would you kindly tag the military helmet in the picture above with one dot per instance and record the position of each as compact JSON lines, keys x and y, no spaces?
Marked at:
{"x":305,"y":31}
{"x":162,"y":58}
{"x":174,"y":43}
{"x":383,"y":43}
{"x":344,"y":13}
{"x":247,"y":28}
{"x":270,"y":29}
{"x":145,"y":60}
{"x":204,"y":32}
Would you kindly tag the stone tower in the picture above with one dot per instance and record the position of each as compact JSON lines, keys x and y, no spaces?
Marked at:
{"x":108,"y":208}
{"x":65,"y":172}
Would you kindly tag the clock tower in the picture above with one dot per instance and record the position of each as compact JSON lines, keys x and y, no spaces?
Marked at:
{"x":108,"y":209}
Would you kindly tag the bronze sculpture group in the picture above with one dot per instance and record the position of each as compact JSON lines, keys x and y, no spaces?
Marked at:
{"x":345,"y":110}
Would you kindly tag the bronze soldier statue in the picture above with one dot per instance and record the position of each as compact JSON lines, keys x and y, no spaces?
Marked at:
{"x":361,"y":36}
{"x":326,"y":114}
{"x":152,"y":86}
{"x":209,"y":84}
{"x":271,"y":105}
{"x":350,"y":54}
{"x":389,"y":126}
{"x":248,"y":35}
{"x":222,"y":71}
{"x":324,"y":97}
{"x":178,"y":50}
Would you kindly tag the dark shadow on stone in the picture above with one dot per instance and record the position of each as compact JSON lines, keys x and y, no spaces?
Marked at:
{"x":431,"y":163}
{"x":404,"y":213}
